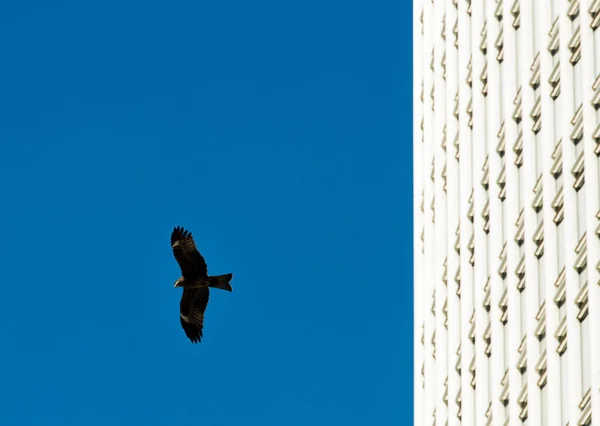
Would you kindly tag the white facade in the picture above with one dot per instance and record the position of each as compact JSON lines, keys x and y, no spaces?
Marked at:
{"x":507,"y":212}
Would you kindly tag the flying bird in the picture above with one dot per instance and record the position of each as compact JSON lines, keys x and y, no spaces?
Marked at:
{"x":195,"y":282}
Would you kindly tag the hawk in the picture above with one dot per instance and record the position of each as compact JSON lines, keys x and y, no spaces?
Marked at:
{"x":195,"y":282}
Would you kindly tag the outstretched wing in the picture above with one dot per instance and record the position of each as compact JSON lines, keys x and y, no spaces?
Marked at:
{"x":191,"y":312}
{"x":190,"y":260}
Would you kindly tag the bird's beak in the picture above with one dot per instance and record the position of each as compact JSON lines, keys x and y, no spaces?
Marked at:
{"x":176,"y":285}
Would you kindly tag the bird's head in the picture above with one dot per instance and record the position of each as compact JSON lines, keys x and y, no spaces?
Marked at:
{"x":179,"y":282}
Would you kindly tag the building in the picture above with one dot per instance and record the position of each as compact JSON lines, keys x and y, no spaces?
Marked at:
{"x":507,"y":212}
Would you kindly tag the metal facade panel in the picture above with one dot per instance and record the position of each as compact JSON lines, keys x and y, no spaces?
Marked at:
{"x":507,"y":212}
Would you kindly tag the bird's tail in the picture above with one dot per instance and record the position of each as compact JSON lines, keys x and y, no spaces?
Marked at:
{"x":221,"y":282}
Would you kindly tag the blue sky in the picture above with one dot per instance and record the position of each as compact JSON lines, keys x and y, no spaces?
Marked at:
{"x":279,"y":133}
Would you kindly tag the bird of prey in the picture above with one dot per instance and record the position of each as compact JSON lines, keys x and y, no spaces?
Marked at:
{"x":195,"y":282}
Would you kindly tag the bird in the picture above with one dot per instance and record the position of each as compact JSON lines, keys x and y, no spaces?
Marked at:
{"x":195,"y":282}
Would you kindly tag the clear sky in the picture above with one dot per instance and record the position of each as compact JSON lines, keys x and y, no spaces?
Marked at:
{"x":279,"y":133}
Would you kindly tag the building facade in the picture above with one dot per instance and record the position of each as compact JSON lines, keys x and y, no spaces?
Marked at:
{"x":507,"y":212}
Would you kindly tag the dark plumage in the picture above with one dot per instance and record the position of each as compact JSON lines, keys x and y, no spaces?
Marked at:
{"x":195,"y":282}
